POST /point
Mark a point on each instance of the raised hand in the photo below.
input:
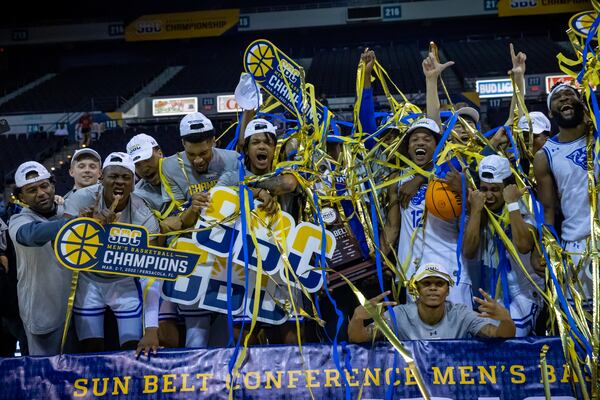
(368, 58)
(512, 193)
(476, 200)
(490, 308)
(518, 63)
(432, 68)
(361, 313)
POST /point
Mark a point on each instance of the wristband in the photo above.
(513, 207)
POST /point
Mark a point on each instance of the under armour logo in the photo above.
(433, 333)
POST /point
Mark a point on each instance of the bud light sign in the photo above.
(491, 88)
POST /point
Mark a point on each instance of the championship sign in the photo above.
(217, 241)
(83, 244)
(280, 76)
(509, 8)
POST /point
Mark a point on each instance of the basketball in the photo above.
(442, 202)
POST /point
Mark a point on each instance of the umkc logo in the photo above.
(85, 245)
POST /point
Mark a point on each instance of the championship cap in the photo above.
(468, 112)
(86, 150)
(426, 123)
(140, 147)
(194, 123)
(557, 89)
(494, 169)
(121, 159)
(259, 125)
(539, 123)
(27, 167)
(432, 269)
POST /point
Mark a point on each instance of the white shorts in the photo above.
(524, 312)
(576, 250)
(123, 296)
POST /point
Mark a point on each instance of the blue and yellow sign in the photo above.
(85, 245)
(280, 76)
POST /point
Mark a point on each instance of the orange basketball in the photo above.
(442, 202)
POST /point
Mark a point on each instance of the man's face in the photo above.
(433, 291)
(260, 153)
(39, 196)
(464, 132)
(421, 146)
(494, 199)
(117, 181)
(148, 169)
(566, 108)
(85, 171)
(199, 154)
(538, 141)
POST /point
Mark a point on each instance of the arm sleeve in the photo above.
(151, 301)
(37, 234)
(367, 115)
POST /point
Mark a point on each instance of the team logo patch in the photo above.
(85, 245)
(579, 158)
(418, 198)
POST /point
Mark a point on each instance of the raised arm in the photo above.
(391, 229)
(518, 72)
(473, 228)
(367, 106)
(432, 70)
(545, 186)
(521, 237)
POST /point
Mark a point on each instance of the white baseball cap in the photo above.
(539, 123)
(27, 167)
(494, 169)
(247, 94)
(432, 269)
(259, 125)
(121, 159)
(468, 112)
(140, 147)
(86, 150)
(194, 123)
(557, 89)
(426, 123)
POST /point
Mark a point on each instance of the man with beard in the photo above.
(431, 316)
(499, 194)
(108, 202)
(43, 284)
(561, 172)
(85, 169)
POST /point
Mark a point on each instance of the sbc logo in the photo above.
(125, 236)
(78, 244)
(148, 27)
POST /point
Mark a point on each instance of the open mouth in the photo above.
(261, 157)
(420, 152)
(567, 110)
(118, 192)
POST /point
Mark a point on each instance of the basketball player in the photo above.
(43, 284)
(561, 170)
(85, 169)
(499, 194)
(188, 176)
(113, 200)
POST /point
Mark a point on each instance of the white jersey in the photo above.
(411, 230)
(568, 163)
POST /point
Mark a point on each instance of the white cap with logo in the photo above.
(426, 123)
(539, 123)
(259, 125)
(27, 167)
(86, 150)
(247, 94)
(494, 169)
(194, 123)
(120, 159)
(140, 147)
(432, 269)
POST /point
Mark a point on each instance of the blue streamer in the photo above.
(587, 48)
(340, 319)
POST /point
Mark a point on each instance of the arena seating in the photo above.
(98, 88)
(12, 80)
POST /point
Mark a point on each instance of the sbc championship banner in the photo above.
(182, 25)
(509, 8)
(453, 369)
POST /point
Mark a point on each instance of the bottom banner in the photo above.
(453, 369)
